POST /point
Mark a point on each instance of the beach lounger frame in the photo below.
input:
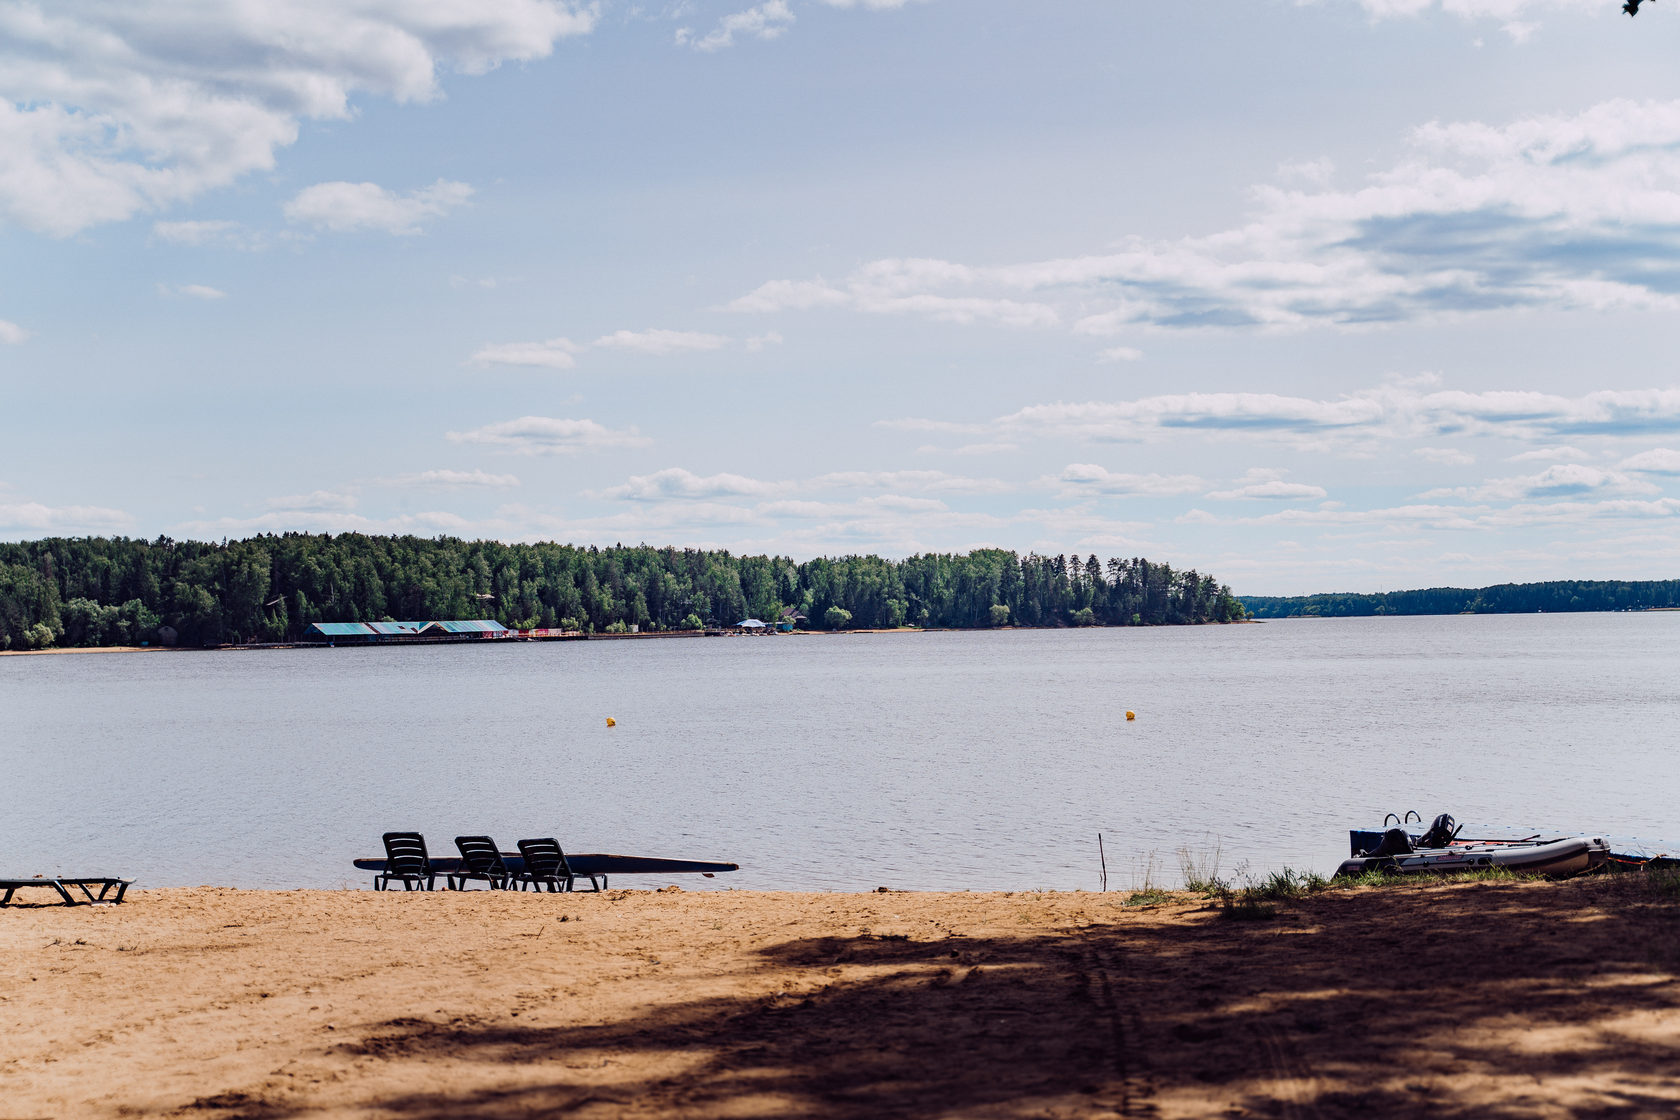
(480, 860)
(545, 865)
(62, 885)
(406, 862)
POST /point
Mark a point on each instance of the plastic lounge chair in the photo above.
(545, 865)
(63, 885)
(480, 859)
(406, 863)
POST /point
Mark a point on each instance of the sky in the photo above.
(1312, 295)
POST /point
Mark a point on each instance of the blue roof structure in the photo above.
(377, 631)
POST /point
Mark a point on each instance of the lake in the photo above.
(949, 760)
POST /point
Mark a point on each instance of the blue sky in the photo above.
(1336, 295)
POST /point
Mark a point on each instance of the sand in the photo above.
(1469, 1000)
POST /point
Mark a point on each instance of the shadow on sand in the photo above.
(1488, 1000)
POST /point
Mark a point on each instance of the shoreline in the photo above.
(1477, 998)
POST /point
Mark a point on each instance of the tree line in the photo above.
(1555, 596)
(91, 591)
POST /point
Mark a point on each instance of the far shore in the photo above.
(1420, 1000)
(83, 649)
(659, 634)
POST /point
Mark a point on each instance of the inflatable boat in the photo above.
(1440, 850)
(1556, 858)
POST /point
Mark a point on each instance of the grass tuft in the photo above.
(1200, 869)
(1149, 896)
(1256, 899)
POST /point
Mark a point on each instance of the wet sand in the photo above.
(1470, 1000)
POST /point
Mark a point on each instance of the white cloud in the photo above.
(109, 109)
(1658, 460)
(928, 481)
(1568, 212)
(766, 21)
(452, 479)
(345, 207)
(547, 435)
(194, 232)
(661, 342)
(430, 523)
(1504, 11)
(36, 518)
(1359, 420)
(314, 501)
(11, 334)
(1562, 480)
(677, 484)
(918, 424)
(1552, 455)
(1446, 456)
(897, 287)
(556, 353)
(1087, 479)
(192, 291)
(1119, 354)
(561, 353)
(1257, 485)
(758, 342)
(211, 232)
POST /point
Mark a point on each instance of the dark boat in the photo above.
(586, 863)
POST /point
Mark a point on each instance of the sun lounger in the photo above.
(480, 859)
(62, 886)
(546, 866)
(406, 862)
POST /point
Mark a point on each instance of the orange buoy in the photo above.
(611, 722)
(1130, 716)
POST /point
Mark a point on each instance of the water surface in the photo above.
(925, 761)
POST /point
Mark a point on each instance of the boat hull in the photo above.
(586, 863)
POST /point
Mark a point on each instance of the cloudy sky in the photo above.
(1311, 294)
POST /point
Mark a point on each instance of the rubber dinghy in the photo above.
(1439, 851)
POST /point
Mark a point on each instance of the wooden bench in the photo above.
(63, 885)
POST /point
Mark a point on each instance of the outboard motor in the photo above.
(1441, 833)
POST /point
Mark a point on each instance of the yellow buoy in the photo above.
(1130, 716)
(611, 722)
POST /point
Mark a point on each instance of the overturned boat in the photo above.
(1440, 850)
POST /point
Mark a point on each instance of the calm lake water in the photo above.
(923, 761)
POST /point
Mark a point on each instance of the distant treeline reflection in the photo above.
(95, 591)
(1556, 596)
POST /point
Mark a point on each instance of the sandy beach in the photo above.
(1477, 999)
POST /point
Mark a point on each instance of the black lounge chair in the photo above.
(480, 859)
(545, 865)
(406, 862)
(62, 886)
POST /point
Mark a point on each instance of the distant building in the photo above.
(380, 633)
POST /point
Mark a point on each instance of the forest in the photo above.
(1556, 596)
(94, 591)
